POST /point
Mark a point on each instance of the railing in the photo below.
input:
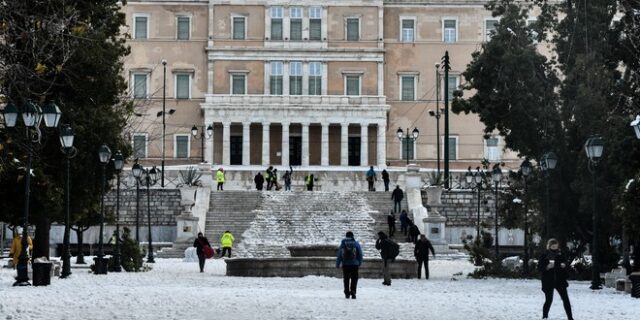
(225, 99)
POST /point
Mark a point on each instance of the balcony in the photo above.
(295, 101)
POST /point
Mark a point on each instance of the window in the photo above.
(184, 24)
(275, 81)
(141, 27)
(408, 87)
(183, 86)
(453, 148)
(181, 146)
(453, 86)
(408, 149)
(140, 146)
(352, 86)
(449, 30)
(492, 152)
(295, 23)
(489, 27)
(315, 23)
(140, 85)
(353, 29)
(276, 23)
(315, 78)
(239, 28)
(295, 78)
(238, 84)
(408, 30)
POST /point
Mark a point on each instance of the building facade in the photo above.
(303, 83)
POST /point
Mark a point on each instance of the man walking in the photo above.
(200, 243)
(391, 221)
(371, 178)
(388, 251)
(227, 243)
(404, 222)
(350, 257)
(421, 252)
(220, 179)
(397, 195)
(259, 181)
(385, 179)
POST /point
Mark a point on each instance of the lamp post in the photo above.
(118, 163)
(408, 138)
(593, 147)
(437, 115)
(32, 116)
(548, 162)
(446, 64)
(208, 133)
(150, 177)
(104, 154)
(496, 176)
(66, 140)
(526, 168)
(136, 170)
(164, 123)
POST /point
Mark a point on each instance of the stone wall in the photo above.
(165, 206)
(460, 207)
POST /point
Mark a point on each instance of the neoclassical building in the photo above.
(303, 83)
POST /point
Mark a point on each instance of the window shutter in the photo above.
(139, 143)
(315, 29)
(238, 84)
(408, 88)
(182, 146)
(182, 86)
(296, 29)
(407, 152)
(276, 29)
(453, 155)
(183, 28)
(315, 86)
(353, 85)
(276, 85)
(141, 28)
(352, 29)
(140, 86)
(238, 28)
(453, 83)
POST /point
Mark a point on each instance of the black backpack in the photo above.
(349, 252)
(395, 249)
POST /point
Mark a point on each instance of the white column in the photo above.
(344, 144)
(246, 143)
(226, 143)
(305, 144)
(381, 79)
(364, 141)
(265, 144)
(382, 144)
(285, 144)
(210, 77)
(324, 153)
(208, 145)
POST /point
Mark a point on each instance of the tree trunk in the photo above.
(80, 256)
(41, 239)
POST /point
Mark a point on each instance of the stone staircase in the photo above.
(231, 210)
(382, 203)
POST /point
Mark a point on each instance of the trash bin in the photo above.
(635, 284)
(100, 265)
(41, 273)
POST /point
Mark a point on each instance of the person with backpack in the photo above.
(391, 221)
(389, 250)
(414, 232)
(397, 195)
(404, 218)
(227, 243)
(259, 181)
(553, 268)
(287, 179)
(201, 243)
(421, 252)
(371, 178)
(385, 179)
(350, 256)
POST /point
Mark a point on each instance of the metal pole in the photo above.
(478, 224)
(101, 241)
(23, 276)
(66, 255)
(446, 119)
(116, 256)
(202, 144)
(525, 267)
(438, 117)
(547, 224)
(496, 222)
(164, 124)
(595, 255)
(150, 257)
(138, 211)
(407, 139)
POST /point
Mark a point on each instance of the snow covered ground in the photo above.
(176, 290)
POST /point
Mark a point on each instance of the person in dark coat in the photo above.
(259, 180)
(287, 179)
(421, 252)
(385, 246)
(553, 268)
(391, 221)
(397, 195)
(308, 181)
(350, 264)
(269, 177)
(199, 243)
(404, 218)
(414, 231)
(385, 179)
(371, 178)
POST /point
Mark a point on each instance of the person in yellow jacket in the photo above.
(16, 247)
(220, 178)
(227, 242)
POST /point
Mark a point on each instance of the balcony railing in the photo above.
(352, 101)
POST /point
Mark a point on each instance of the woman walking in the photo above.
(200, 243)
(552, 265)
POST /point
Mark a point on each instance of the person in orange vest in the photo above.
(16, 246)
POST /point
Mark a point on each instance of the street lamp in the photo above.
(104, 154)
(66, 140)
(164, 112)
(31, 117)
(496, 176)
(408, 138)
(636, 126)
(548, 162)
(593, 147)
(118, 164)
(437, 114)
(136, 170)
(208, 133)
(526, 168)
(150, 177)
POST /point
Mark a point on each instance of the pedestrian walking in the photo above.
(389, 250)
(227, 243)
(200, 243)
(391, 221)
(269, 177)
(553, 268)
(16, 247)
(274, 180)
(404, 218)
(287, 179)
(350, 257)
(371, 178)
(397, 195)
(414, 231)
(259, 181)
(308, 181)
(385, 179)
(421, 252)
(220, 179)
